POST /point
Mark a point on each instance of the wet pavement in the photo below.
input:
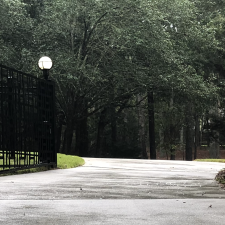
(116, 191)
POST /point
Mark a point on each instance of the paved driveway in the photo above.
(116, 191)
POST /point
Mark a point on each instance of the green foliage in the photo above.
(15, 34)
(63, 162)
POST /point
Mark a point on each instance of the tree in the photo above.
(103, 63)
(15, 33)
(108, 54)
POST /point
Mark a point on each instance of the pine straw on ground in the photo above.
(220, 177)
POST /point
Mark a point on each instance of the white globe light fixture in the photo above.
(45, 64)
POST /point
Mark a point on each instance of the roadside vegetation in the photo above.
(69, 161)
(220, 177)
(211, 160)
(63, 162)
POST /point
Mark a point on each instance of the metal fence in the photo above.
(27, 121)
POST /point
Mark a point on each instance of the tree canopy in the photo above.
(108, 56)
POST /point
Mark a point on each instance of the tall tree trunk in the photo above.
(189, 133)
(68, 136)
(201, 131)
(189, 141)
(197, 134)
(82, 140)
(151, 118)
(172, 153)
(182, 141)
(172, 132)
(60, 122)
(172, 148)
(161, 143)
(100, 135)
(113, 133)
(141, 129)
(214, 146)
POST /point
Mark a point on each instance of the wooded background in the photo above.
(130, 75)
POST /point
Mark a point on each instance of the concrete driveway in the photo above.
(116, 191)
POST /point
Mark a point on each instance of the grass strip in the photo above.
(69, 161)
(63, 162)
(211, 160)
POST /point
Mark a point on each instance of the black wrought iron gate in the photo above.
(27, 120)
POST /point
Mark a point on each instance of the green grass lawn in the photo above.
(68, 161)
(63, 162)
(211, 160)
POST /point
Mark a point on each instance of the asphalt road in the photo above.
(116, 191)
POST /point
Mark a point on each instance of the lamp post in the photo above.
(46, 93)
(45, 64)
